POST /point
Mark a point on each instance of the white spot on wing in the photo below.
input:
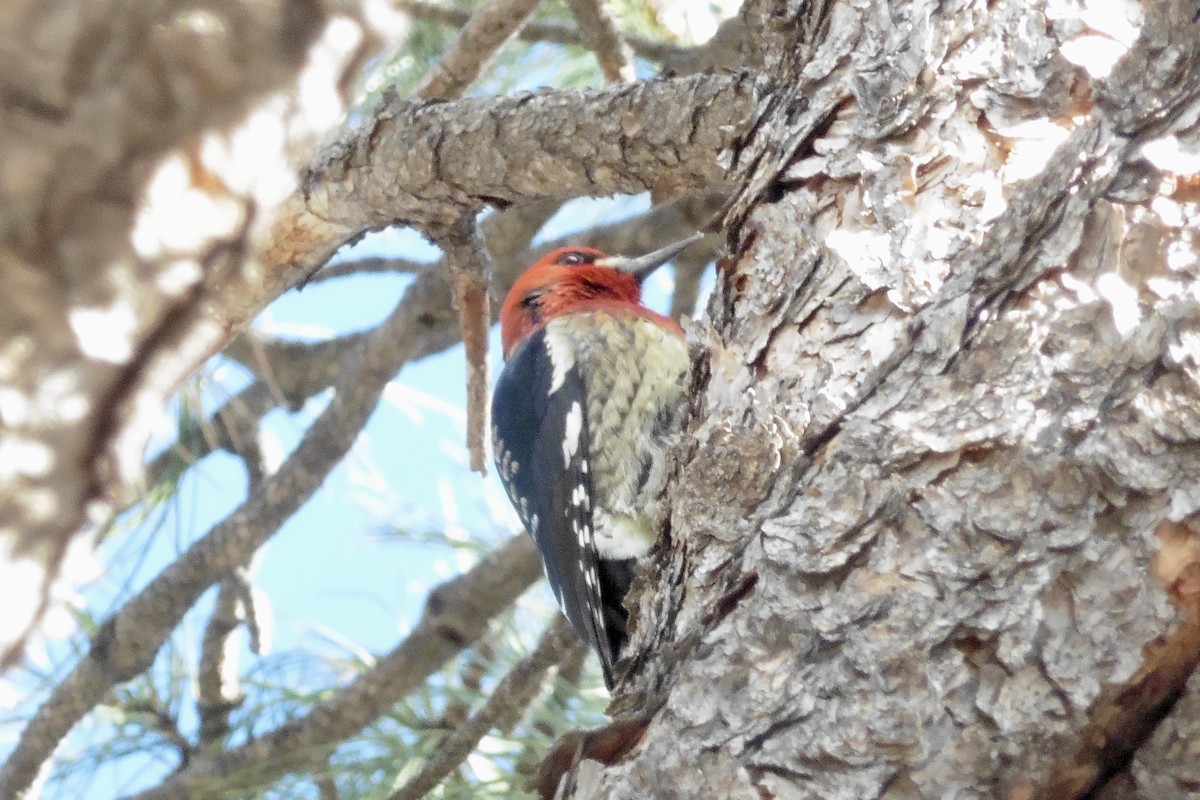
(558, 595)
(562, 358)
(571, 431)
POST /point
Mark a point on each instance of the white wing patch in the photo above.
(562, 357)
(572, 427)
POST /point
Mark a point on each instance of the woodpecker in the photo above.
(591, 391)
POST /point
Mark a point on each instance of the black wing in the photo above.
(549, 483)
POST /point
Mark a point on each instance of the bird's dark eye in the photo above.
(532, 302)
(573, 257)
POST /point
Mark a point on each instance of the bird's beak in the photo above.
(642, 266)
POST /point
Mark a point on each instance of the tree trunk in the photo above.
(930, 530)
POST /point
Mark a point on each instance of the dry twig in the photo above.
(478, 42)
(456, 614)
(649, 49)
(508, 700)
(599, 32)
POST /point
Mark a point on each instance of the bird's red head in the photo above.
(559, 282)
(578, 279)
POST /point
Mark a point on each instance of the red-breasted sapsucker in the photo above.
(592, 389)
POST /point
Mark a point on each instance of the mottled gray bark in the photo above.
(943, 404)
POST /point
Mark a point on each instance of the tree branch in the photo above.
(421, 163)
(161, 722)
(649, 49)
(481, 38)
(600, 34)
(470, 273)
(375, 265)
(456, 614)
(218, 690)
(508, 701)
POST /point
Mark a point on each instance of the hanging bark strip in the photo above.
(470, 270)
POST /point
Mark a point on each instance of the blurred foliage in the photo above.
(149, 726)
(519, 66)
(145, 721)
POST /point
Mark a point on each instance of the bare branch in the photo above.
(424, 163)
(480, 39)
(125, 646)
(367, 266)
(508, 701)
(456, 614)
(218, 690)
(649, 49)
(165, 725)
(326, 786)
(599, 32)
(297, 370)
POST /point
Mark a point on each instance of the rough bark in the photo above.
(943, 401)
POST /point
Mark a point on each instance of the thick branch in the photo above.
(420, 163)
